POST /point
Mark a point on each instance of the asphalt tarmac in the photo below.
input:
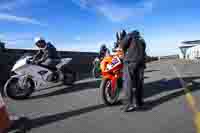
(79, 109)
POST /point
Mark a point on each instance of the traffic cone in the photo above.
(4, 116)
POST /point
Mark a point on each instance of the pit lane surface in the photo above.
(79, 109)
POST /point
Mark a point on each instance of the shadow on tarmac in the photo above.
(151, 89)
(61, 116)
(161, 86)
(76, 87)
(149, 71)
(39, 122)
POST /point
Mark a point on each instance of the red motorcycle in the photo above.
(111, 84)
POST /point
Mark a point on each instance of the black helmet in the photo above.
(103, 47)
(136, 33)
(122, 34)
(40, 42)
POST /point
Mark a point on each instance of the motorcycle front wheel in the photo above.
(106, 93)
(13, 90)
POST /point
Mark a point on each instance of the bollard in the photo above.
(4, 116)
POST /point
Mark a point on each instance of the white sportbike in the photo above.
(28, 76)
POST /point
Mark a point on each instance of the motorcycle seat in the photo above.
(49, 68)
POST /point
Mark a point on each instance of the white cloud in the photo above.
(9, 17)
(76, 47)
(77, 38)
(114, 11)
(6, 5)
(2, 36)
(84, 46)
(11, 4)
(18, 40)
(25, 40)
(89, 3)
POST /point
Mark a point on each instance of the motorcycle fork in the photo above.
(23, 81)
(113, 84)
(116, 84)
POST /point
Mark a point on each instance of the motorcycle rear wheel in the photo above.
(69, 77)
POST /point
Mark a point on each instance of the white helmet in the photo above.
(37, 39)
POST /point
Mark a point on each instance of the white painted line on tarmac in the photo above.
(190, 100)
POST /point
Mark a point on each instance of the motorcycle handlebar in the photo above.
(30, 61)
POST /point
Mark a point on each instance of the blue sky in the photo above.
(83, 25)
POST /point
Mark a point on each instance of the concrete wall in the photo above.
(81, 61)
(168, 57)
(193, 53)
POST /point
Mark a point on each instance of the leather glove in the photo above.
(36, 62)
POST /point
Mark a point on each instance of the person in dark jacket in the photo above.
(104, 51)
(143, 43)
(133, 72)
(47, 56)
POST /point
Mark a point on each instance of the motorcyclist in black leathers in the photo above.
(47, 56)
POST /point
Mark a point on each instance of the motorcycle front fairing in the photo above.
(110, 67)
(20, 63)
(23, 69)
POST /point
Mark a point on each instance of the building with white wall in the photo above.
(190, 50)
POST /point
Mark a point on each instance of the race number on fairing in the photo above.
(115, 61)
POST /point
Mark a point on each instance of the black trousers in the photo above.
(133, 77)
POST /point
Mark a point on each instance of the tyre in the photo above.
(69, 77)
(106, 93)
(13, 90)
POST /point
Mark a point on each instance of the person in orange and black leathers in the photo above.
(133, 71)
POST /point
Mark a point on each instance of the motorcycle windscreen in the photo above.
(19, 64)
(104, 62)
